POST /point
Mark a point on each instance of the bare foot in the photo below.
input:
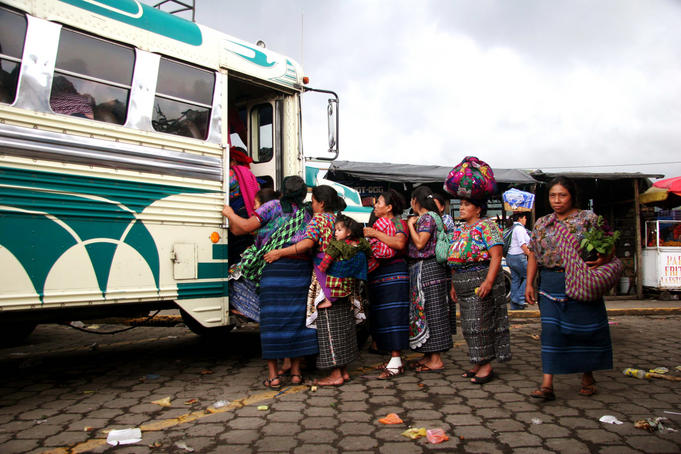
(330, 381)
(346, 376)
(324, 304)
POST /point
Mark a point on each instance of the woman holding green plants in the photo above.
(575, 334)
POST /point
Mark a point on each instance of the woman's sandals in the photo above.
(268, 383)
(390, 372)
(588, 389)
(544, 393)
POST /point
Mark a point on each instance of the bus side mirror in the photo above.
(332, 117)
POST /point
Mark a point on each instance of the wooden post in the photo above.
(639, 253)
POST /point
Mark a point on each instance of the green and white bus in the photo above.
(115, 125)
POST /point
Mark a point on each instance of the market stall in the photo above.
(662, 255)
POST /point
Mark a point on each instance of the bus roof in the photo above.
(153, 30)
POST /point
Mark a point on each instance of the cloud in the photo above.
(522, 84)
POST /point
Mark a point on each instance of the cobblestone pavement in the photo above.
(63, 390)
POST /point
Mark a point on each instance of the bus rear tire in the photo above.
(15, 333)
(198, 328)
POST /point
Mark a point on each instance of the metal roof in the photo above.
(408, 173)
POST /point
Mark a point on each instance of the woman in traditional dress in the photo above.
(575, 335)
(429, 323)
(389, 283)
(242, 189)
(336, 333)
(282, 307)
(478, 286)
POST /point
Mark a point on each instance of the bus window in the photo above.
(261, 132)
(12, 34)
(92, 78)
(184, 95)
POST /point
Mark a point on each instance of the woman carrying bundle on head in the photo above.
(477, 283)
(336, 333)
(429, 323)
(389, 282)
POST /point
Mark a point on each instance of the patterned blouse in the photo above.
(235, 199)
(425, 223)
(542, 243)
(471, 243)
(379, 248)
(321, 229)
(271, 216)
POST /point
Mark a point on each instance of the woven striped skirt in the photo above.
(484, 322)
(336, 335)
(434, 279)
(283, 298)
(389, 305)
(575, 336)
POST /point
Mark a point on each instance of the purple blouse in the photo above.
(425, 223)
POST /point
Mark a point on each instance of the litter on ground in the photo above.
(392, 418)
(415, 432)
(609, 419)
(124, 436)
(165, 402)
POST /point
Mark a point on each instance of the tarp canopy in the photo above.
(408, 173)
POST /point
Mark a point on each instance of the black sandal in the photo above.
(469, 374)
(268, 382)
(543, 393)
(300, 379)
(390, 372)
(482, 380)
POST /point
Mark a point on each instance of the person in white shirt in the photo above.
(517, 260)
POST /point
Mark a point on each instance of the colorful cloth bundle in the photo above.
(471, 179)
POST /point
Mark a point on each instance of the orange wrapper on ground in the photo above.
(392, 418)
(436, 436)
(415, 433)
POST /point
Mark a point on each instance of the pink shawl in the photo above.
(248, 186)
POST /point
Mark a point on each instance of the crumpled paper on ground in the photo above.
(415, 432)
(124, 436)
(391, 418)
(652, 424)
(610, 419)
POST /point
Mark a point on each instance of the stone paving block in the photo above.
(481, 447)
(66, 438)
(532, 450)
(315, 449)
(293, 416)
(355, 428)
(471, 432)
(246, 423)
(326, 436)
(618, 449)
(450, 409)
(357, 443)
(418, 404)
(549, 430)
(13, 446)
(16, 426)
(130, 419)
(652, 443)
(86, 421)
(506, 425)
(442, 390)
(390, 433)
(518, 439)
(463, 420)
(205, 430)
(567, 446)
(484, 403)
(320, 423)
(598, 436)
(400, 448)
(491, 413)
(424, 414)
(354, 416)
(240, 437)
(282, 428)
(353, 406)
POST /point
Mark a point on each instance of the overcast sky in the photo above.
(520, 84)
